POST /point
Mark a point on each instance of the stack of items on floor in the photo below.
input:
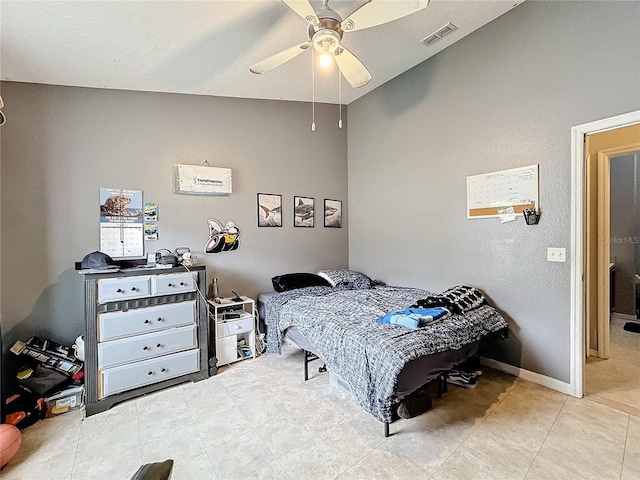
(47, 381)
(466, 375)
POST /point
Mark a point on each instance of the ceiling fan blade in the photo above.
(279, 58)
(378, 12)
(353, 69)
(304, 9)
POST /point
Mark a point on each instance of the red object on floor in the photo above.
(15, 418)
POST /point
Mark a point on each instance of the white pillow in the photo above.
(347, 278)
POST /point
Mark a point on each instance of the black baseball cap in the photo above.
(97, 261)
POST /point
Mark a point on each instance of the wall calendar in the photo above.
(489, 193)
(121, 223)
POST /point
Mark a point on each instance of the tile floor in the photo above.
(259, 420)
(615, 382)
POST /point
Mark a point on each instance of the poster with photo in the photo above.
(269, 210)
(150, 231)
(121, 223)
(150, 212)
(150, 221)
(332, 213)
(303, 214)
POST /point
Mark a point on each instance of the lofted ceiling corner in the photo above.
(207, 47)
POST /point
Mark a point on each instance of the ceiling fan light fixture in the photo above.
(326, 28)
(326, 60)
(325, 40)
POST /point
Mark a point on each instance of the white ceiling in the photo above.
(207, 47)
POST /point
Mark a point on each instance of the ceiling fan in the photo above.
(326, 28)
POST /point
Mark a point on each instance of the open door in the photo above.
(598, 149)
(603, 243)
(604, 252)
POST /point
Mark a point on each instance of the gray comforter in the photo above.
(341, 325)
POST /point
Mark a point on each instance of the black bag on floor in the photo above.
(43, 381)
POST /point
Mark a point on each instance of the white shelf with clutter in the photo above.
(233, 321)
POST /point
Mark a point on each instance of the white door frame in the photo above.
(578, 345)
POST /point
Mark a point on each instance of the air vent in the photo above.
(434, 37)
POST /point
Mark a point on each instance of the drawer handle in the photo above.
(147, 321)
(182, 283)
(159, 345)
(150, 373)
(133, 289)
(163, 370)
(170, 285)
(159, 319)
(145, 348)
(238, 327)
(119, 290)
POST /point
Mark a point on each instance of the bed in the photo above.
(381, 363)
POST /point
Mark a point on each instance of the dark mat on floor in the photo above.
(632, 327)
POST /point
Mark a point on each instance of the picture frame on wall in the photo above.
(269, 210)
(303, 212)
(332, 213)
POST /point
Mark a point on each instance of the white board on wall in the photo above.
(200, 180)
(489, 192)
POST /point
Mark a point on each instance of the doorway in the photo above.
(581, 256)
(612, 369)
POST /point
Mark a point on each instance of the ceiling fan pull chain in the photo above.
(340, 90)
(313, 88)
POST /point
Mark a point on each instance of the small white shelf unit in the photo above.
(234, 325)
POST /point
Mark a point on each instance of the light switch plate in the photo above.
(556, 254)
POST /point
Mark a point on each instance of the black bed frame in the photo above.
(441, 379)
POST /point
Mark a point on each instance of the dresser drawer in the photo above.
(114, 325)
(172, 283)
(235, 327)
(142, 347)
(134, 375)
(115, 289)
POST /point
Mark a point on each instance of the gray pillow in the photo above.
(347, 278)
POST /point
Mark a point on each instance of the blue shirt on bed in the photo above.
(414, 317)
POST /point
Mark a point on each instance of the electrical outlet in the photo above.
(556, 254)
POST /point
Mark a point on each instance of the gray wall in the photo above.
(623, 232)
(61, 144)
(503, 97)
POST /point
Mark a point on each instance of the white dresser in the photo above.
(145, 330)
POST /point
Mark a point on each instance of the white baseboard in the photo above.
(528, 375)
(624, 316)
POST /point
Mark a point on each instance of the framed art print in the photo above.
(303, 214)
(269, 210)
(332, 213)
